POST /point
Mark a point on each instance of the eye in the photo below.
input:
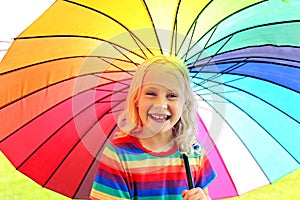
(150, 93)
(172, 95)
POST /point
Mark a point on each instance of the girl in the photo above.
(144, 160)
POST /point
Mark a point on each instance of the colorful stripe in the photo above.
(127, 171)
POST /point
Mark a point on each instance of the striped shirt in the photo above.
(129, 171)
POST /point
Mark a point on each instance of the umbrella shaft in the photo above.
(188, 171)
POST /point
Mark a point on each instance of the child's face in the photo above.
(161, 101)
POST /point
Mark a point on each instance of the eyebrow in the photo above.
(154, 88)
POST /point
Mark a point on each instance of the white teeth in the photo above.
(159, 117)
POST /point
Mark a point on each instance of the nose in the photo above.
(162, 102)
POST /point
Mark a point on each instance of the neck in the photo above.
(160, 142)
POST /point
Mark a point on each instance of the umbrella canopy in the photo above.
(64, 81)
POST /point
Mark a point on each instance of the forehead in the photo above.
(163, 77)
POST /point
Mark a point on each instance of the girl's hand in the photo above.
(195, 194)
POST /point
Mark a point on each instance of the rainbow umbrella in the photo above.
(64, 81)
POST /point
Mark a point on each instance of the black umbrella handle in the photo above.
(188, 171)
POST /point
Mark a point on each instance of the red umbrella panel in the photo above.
(71, 133)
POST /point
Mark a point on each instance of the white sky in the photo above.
(15, 16)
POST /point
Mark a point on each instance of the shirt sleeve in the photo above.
(206, 172)
(111, 181)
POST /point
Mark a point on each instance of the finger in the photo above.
(195, 193)
(183, 193)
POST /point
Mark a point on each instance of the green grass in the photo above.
(16, 186)
(286, 188)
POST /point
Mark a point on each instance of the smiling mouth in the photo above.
(159, 117)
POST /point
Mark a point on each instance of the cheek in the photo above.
(143, 111)
(177, 110)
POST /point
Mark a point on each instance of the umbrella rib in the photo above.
(256, 123)
(214, 27)
(67, 57)
(249, 93)
(134, 37)
(237, 58)
(54, 134)
(209, 93)
(106, 90)
(31, 65)
(80, 139)
(193, 66)
(284, 86)
(218, 152)
(95, 157)
(111, 63)
(153, 25)
(194, 24)
(244, 8)
(174, 30)
(237, 79)
(257, 61)
(49, 136)
(248, 150)
(117, 110)
(219, 74)
(229, 69)
(253, 118)
(249, 59)
(270, 81)
(112, 81)
(40, 89)
(14, 132)
(110, 101)
(193, 28)
(125, 55)
(200, 53)
(246, 29)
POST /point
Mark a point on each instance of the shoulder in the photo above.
(121, 138)
(124, 143)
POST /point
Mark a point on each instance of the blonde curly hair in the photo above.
(185, 130)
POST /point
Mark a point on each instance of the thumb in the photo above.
(183, 193)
